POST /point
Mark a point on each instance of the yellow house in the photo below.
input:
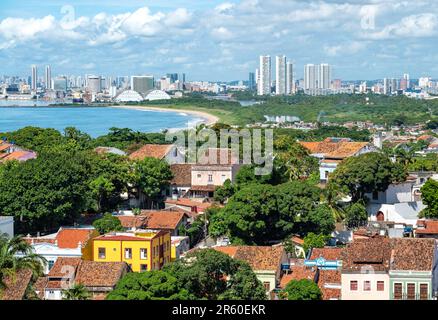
(142, 250)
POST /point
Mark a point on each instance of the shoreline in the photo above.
(207, 118)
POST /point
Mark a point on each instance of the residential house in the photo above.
(7, 226)
(266, 262)
(411, 269)
(365, 266)
(99, 278)
(169, 220)
(332, 151)
(181, 181)
(192, 206)
(180, 245)
(427, 229)
(171, 153)
(16, 287)
(68, 242)
(9, 151)
(396, 204)
(142, 250)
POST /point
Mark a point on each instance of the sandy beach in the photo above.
(207, 119)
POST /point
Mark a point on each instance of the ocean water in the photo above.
(94, 121)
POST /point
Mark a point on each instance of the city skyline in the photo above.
(361, 40)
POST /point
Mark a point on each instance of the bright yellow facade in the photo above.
(142, 250)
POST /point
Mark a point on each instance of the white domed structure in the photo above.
(157, 95)
(129, 96)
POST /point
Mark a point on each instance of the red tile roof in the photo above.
(412, 254)
(367, 253)
(165, 219)
(329, 278)
(16, 287)
(157, 151)
(334, 150)
(100, 274)
(430, 227)
(326, 253)
(70, 238)
(63, 266)
(182, 174)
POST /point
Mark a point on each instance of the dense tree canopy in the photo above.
(429, 194)
(356, 215)
(303, 289)
(107, 224)
(367, 173)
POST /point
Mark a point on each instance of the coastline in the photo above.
(207, 118)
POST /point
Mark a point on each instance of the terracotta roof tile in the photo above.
(328, 279)
(412, 254)
(157, 151)
(430, 227)
(373, 252)
(326, 253)
(164, 219)
(298, 273)
(334, 150)
(59, 269)
(259, 258)
(100, 274)
(70, 238)
(182, 174)
(16, 288)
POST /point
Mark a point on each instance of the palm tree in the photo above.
(332, 196)
(16, 254)
(77, 292)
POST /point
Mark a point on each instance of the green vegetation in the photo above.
(312, 240)
(356, 215)
(77, 292)
(107, 223)
(429, 194)
(201, 275)
(302, 290)
(15, 255)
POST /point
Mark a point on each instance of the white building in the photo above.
(157, 95)
(289, 78)
(129, 96)
(94, 84)
(48, 78)
(7, 226)
(280, 75)
(34, 83)
(264, 85)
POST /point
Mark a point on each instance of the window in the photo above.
(398, 291)
(50, 264)
(143, 267)
(326, 174)
(102, 253)
(380, 286)
(267, 286)
(128, 253)
(210, 178)
(353, 285)
(143, 253)
(411, 291)
(367, 286)
(199, 176)
(424, 291)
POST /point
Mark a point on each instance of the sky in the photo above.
(219, 40)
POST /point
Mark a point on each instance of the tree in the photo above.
(312, 240)
(429, 194)
(77, 292)
(16, 254)
(204, 273)
(356, 215)
(35, 138)
(108, 223)
(367, 173)
(48, 191)
(320, 220)
(246, 175)
(251, 215)
(226, 191)
(101, 188)
(303, 289)
(152, 285)
(293, 159)
(152, 176)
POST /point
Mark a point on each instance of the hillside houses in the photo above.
(9, 151)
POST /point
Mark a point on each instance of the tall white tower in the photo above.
(34, 78)
(264, 86)
(324, 76)
(48, 78)
(310, 77)
(280, 75)
(289, 78)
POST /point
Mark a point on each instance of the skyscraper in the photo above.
(34, 78)
(310, 77)
(264, 86)
(324, 76)
(251, 81)
(280, 75)
(406, 77)
(94, 84)
(48, 78)
(142, 84)
(289, 78)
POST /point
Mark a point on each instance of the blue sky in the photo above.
(219, 39)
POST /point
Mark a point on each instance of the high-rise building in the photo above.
(386, 86)
(94, 84)
(60, 84)
(289, 78)
(257, 76)
(251, 81)
(310, 77)
(264, 86)
(280, 75)
(173, 77)
(406, 77)
(142, 84)
(48, 78)
(34, 83)
(325, 76)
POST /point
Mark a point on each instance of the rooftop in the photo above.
(156, 151)
(332, 148)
